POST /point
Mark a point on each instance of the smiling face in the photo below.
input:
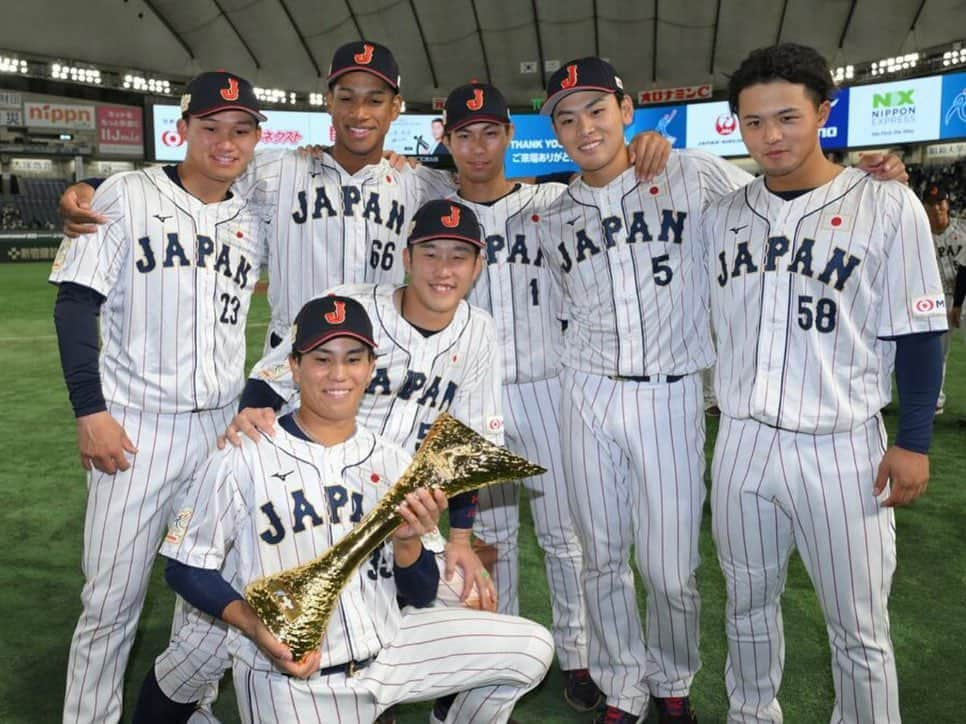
(363, 106)
(938, 213)
(590, 126)
(219, 146)
(478, 149)
(779, 124)
(441, 272)
(332, 379)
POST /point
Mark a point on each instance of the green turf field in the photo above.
(42, 496)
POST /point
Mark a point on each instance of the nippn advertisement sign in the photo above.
(899, 112)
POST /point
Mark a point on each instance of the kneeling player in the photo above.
(373, 655)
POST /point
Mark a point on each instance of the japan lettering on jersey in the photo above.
(803, 293)
(632, 270)
(281, 503)
(330, 227)
(951, 252)
(456, 370)
(516, 287)
(177, 275)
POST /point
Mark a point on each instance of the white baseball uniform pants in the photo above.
(492, 660)
(532, 429)
(633, 457)
(127, 514)
(775, 490)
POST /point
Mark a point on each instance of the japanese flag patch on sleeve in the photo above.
(930, 305)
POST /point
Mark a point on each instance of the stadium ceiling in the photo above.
(439, 44)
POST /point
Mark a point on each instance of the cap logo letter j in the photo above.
(571, 80)
(453, 220)
(365, 57)
(337, 315)
(231, 92)
(476, 102)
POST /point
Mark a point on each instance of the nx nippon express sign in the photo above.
(899, 112)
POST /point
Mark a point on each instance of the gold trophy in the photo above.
(296, 604)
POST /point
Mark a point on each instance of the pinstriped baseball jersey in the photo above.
(416, 377)
(178, 276)
(283, 502)
(803, 291)
(950, 252)
(330, 227)
(516, 286)
(632, 267)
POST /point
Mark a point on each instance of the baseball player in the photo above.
(170, 275)
(516, 288)
(630, 268)
(949, 238)
(820, 281)
(373, 655)
(437, 353)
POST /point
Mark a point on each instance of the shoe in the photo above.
(441, 709)
(675, 710)
(580, 691)
(613, 715)
(940, 410)
(387, 717)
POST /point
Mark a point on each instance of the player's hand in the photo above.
(955, 317)
(398, 161)
(460, 554)
(251, 421)
(648, 152)
(103, 443)
(420, 512)
(311, 151)
(884, 167)
(75, 211)
(240, 615)
(909, 473)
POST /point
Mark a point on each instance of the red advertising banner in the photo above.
(674, 95)
(120, 130)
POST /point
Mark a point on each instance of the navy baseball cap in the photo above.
(325, 318)
(475, 103)
(219, 90)
(583, 74)
(367, 57)
(442, 219)
(934, 194)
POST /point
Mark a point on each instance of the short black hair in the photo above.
(790, 62)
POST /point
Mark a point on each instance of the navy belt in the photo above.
(646, 378)
(349, 668)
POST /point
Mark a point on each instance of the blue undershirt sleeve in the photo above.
(75, 319)
(462, 510)
(258, 393)
(919, 375)
(203, 588)
(418, 583)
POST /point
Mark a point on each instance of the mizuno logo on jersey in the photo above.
(584, 247)
(351, 200)
(228, 260)
(778, 255)
(519, 253)
(415, 387)
(736, 229)
(160, 218)
(282, 476)
(303, 511)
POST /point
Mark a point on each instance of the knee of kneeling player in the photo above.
(533, 657)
